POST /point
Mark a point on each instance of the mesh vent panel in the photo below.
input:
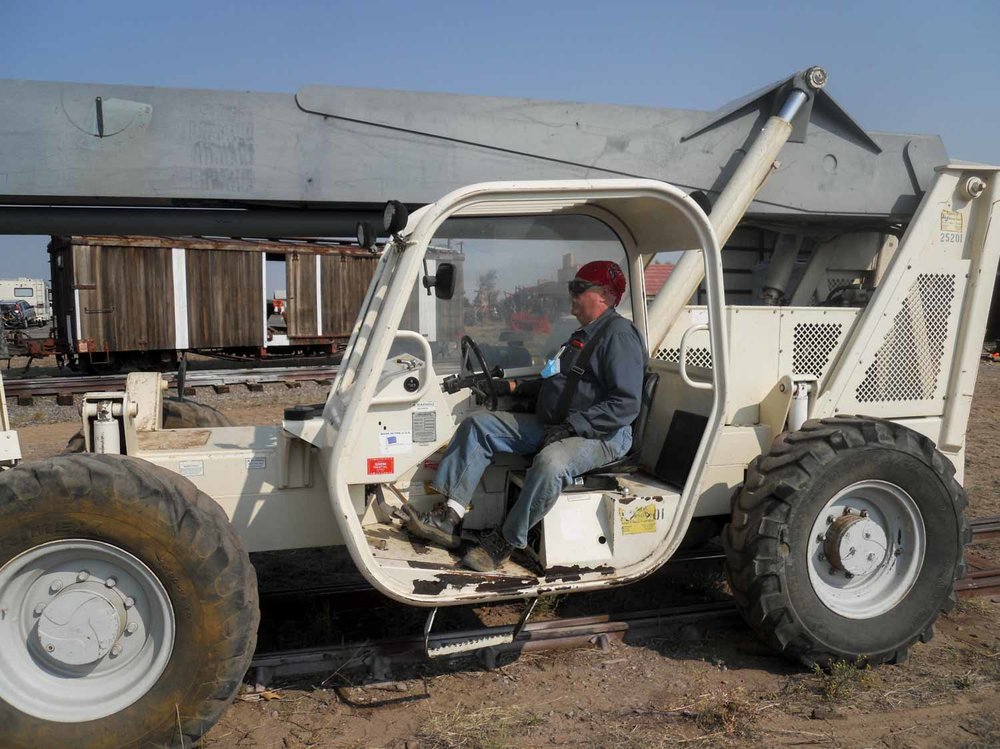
(696, 357)
(812, 345)
(838, 281)
(907, 366)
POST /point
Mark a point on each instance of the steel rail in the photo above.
(194, 378)
(574, 632)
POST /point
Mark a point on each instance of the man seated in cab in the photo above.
(582, 420)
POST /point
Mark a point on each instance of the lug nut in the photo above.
(864, 513)
(116, 650)
(871, 557)
(111, 582)
(848, 575)
(129, 602)
(131, 628)
(829, 519)
(851, 552)
(820, 538)
(868, 535)
(821, 557)
(83, 576)
(56, 586)
(51, 648)
(39, 609)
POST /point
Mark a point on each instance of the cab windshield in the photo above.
(511, 296)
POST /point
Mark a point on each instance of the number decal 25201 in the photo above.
(951, 236)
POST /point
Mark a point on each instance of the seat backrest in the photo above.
(629, 463)
(649, 382)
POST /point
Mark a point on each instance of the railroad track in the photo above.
(217, 378)
(380, 656)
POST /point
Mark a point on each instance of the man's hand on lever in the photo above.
(504, 387)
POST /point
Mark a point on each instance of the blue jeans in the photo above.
(482, 435)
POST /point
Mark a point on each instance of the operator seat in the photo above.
(603, 476)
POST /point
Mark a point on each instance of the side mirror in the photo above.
(444, 286)
(443, 283)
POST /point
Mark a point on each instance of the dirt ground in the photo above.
(706, 687)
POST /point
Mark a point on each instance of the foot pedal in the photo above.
(445, 644)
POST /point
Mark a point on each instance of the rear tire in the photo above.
(846, 540)
(188, 414)
(182, 578)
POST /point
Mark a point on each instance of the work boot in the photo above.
(441, 524)
(493, 550)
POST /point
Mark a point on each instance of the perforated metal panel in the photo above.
(696, 357)
(812, 345)
(908, 364)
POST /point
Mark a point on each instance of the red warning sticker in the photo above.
(381, 466)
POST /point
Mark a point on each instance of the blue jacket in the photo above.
(609, 392)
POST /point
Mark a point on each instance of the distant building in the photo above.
(656, 275)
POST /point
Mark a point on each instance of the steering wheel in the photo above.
(481, 383)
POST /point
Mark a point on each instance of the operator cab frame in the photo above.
(400, 418)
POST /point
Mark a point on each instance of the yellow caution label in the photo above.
(951, 221)
(643, 520)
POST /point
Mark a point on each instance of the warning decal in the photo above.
(642, 520)
(381, 466)
(424, 425)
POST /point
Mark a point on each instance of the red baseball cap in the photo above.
(604, 273)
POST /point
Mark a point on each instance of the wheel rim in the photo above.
(866, 549)
(86, 629)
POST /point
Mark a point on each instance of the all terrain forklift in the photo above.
(821, 429)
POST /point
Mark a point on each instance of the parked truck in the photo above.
(822, 429)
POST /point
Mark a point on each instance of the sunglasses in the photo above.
(577, 287)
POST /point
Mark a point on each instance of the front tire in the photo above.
(152, 600)
(846, 540)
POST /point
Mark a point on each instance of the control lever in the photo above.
(454, 383)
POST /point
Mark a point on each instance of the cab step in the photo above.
(451, 646)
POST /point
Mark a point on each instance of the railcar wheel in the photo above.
(130, 606)
(846, 540)
(177, 414)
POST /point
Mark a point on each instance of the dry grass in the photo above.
(843, 679)
(731, 715)
(973, 606)
(730, 719)
(483, 728)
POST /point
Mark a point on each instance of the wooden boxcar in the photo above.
(119, 299)
(124, 298)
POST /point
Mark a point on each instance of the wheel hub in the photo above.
(866, 548)
(86, 629)
(81, 624)
(855, 544)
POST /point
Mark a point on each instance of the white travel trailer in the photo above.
(34, 291)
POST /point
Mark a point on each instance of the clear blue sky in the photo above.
(913, 66)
